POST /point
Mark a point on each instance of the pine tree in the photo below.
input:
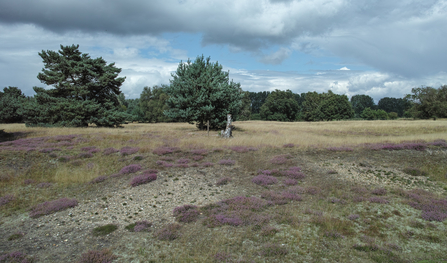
(200, 91)
(85, 91)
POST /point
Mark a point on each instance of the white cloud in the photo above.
(344, 68)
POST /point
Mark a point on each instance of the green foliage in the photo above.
(326, 107)
(280, 106)
(381, 114)
(85, 91)
(104, 230)
(257, 100)
(429, 102)
(11, 105)
(201, 91)
(152, 104)
(393, 115)
(361, 102)
(245, 112)
(368, 114)
(397, 105)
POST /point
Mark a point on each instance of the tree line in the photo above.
(87, 91)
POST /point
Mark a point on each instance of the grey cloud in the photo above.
(276, 57)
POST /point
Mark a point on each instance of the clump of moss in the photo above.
(104, 230)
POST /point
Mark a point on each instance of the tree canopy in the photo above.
(153, 103)
(361, 102)
(280, 106)
(85, 91)
(429, 102)
(11, 105)
(326, 107)
(200, 91)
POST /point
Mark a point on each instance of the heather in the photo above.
(97, 256)
(50, 207)
(16, 257)
(316, 202)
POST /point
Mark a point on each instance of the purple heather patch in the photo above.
(433, 209)
(288, 145)
(186, 213)
(264, 180)
(217, 150)
(142, 226)
(313, 190)
(199, 151)
(44, 185)
(98, 179)
(181, 165)
(50, 207)
(49, 150)
(130, 169)
(129, 150)
(223, 181)
(183, 161)
(169, 232)
(85, 155)
(378, 200)
(109, 151)
(340, 149)
(28, 181)
(281, 159)
(379, 191)
(197, 157)
(242, 149)
(143, 179)
(294, 173)
(98, 256)
(195, 165)
(88, 148)
(226, 162)
(165, 150)
(16, 256)
(6, 199)
(353, 217)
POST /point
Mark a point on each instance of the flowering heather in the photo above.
(242, 149)
(6, 199)
(197, 157)
(296, 190)
(85, 155)
(16, 256)
(223, 181)
(44, 185)
(88, 148)
(281, 159)
(288, 145)
(142, 226)
(280, 198)
(217, 150)
(223, 219)
(150, 171)
(359, 190)
(97, 256)
(169, 232)
(404, 146)
(432, 209)
(340, 149)
(186, 213)
(378, 200)
(181, 165)
(129, 150)
(130, 169)
(313, 190)
(199, 151)
(49, 150)
(439, 142)
(379, 191)
(98, 179)
(50, 207)
(195, 165)
(109, 151)
(264, 180)
(183, 161)
(165, 150)
(294, 173)
(273, 250)
(353, 217)
(28, 181)
(358, 199)
(143, 179)
(226, 162)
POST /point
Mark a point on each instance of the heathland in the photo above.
(342, 191)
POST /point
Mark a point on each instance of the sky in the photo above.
(380, 48)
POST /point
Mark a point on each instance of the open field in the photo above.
(347, 191)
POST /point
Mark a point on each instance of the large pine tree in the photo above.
(85, 91)
(200, 91)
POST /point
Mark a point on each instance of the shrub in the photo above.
(139, 226)
(313, 190)
(379, 191)
(169, 232)
(288, 145)
(16, 256)
(223, 181)
(85, 155)
(186, 213)
(143, 179)
(294, 173)
(109, 151)
(340, 149)
(64, 159)
(104, 230)
(183, 161)
(207, 164)
(98, 179)
(165, 150)
(88, 148)
(280, 198)
(15, 236)
(378, 200)
(44, 185)
(6, 199)
(138, 157)
(199, 151)
(130, 169)
(353, 217)
(264, 180)
(281, 159)
(268, 231)
(97, 256)
(227, 162)
(197, 157)
(50, 207)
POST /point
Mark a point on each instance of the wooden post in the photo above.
(208, 125)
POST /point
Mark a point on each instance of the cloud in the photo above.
(276, 57)
(344, 68)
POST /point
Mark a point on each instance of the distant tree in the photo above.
(397, 105)
(429, 102)
(326, 107)
(361, 102)
(393, 115)
(200, 91)
(133, 109)
(153, 104)
(368, 114)
(381, 114)
(85, 91)
(245, 112)
(11, 105)
(280, 106)
(257, 100)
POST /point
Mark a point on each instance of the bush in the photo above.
(264, 180)
(169, 232)
(50, 207)
(143, 179)
(139, 226)
(130, 169)
(223, 181)
(414, 171)
(97, 256)
(129, 150)
(6, 199)
(227, 162)
(16, 256)
(186, 213)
